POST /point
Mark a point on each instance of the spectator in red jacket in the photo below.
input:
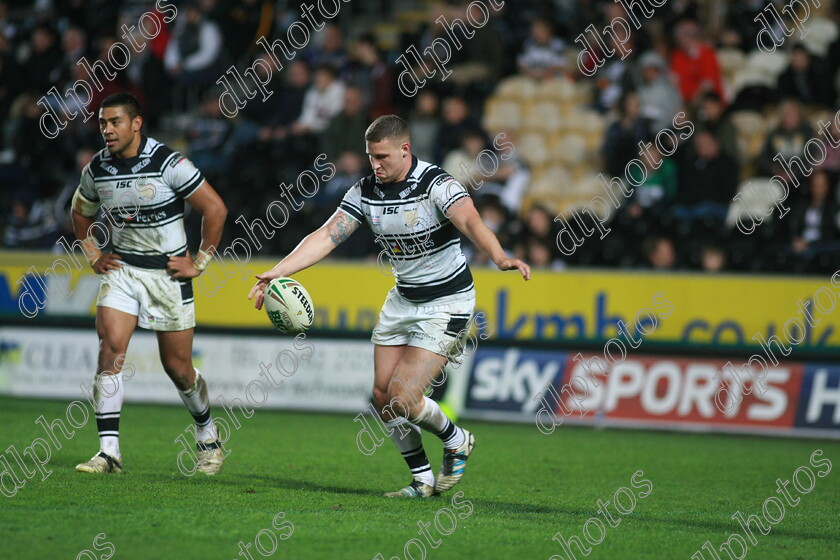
(694, 63)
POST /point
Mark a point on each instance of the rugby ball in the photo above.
(288, 306)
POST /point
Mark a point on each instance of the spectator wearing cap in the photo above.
(659, 99)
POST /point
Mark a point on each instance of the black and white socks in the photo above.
(108, 399)
(198, 403)
(410, 446)
(433, 419)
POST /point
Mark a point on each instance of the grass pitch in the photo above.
(524, 487)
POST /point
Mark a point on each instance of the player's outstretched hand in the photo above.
(257, 293)
(106, 263)
(516, 264)
(182, 268)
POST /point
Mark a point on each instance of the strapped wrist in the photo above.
(91, 249)
(202, 259)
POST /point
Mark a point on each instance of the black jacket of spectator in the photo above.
(708, 180)
(811, 86)
(344, 133)
(621, 143)
(828, 220)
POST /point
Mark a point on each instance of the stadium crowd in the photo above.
(701, 57)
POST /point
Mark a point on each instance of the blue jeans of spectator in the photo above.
(692, 212)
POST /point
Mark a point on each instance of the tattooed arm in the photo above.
(311, 250)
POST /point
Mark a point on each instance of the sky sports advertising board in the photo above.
(550, 389)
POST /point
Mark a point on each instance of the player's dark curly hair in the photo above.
(387, 127)
(123, 99)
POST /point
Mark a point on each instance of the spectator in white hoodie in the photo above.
(660, 99)
(323, 100)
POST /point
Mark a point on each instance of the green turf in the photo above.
(523, 486)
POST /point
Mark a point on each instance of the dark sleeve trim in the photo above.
(452, 199)
(352, 211)
(190, 186)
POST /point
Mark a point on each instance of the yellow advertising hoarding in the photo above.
(577, 305)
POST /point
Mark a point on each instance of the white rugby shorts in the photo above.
(439, 326)
(159, 302)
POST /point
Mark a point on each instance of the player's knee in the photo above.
(110, 348)
(399, 401)
(380, 398)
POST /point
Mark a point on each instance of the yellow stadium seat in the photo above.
(570, 149)
(554, 180)
(502, 115)
(533, 147)
(544, 116)
(517, 87)
(557, 89)
(749, 123)
(585, 121)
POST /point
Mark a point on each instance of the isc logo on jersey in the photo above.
(508, 379)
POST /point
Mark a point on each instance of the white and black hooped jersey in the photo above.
(409, 220)
(145, 196)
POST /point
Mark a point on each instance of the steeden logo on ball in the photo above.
(289, 306)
